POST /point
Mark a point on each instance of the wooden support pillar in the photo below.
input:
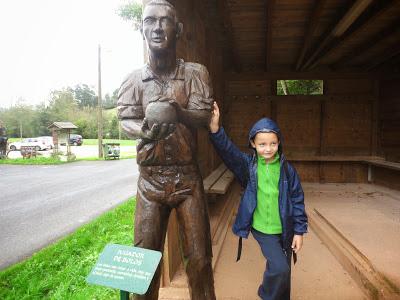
(270, 97)
(370, 175)
(273, 89)
(375, 120)
(273, 106)
(322, 139)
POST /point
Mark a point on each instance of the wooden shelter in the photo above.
(61, 128)
(348, 134)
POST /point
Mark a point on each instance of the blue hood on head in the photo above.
(265, 125)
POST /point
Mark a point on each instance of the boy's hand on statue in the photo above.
(297, 243)
(214, 121)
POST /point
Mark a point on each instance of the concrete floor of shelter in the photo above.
(367, 215)
(316, 275)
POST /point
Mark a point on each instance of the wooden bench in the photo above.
(221, 203)
(370, 160)
(333, 158)
(380, 163)
(374, 163)
(28, 151)
(384, 164)
(218, 181)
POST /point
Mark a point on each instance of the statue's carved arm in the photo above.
(132, 127)
(194, 118)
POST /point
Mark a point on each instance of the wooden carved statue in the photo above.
(162, 104)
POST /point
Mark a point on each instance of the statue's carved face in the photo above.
(159, 27)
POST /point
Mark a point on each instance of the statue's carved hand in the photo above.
(157, 131)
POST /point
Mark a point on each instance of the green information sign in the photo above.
(126, 268)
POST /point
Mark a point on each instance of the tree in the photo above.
(42, 119)
(85, 96)
(19, 119)
(113, 128)
(86, 121)
(63, 105)
(299, 87)
(131, 11)
(110, 101)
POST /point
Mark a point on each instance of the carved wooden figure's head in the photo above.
(160, 26)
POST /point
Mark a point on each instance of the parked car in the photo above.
(48, 140)
(75, 139)
(35, 142)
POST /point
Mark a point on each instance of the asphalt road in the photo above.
(40, 204)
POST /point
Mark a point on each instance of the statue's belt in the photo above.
(168, 170)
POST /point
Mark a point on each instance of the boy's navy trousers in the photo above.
(276, 279)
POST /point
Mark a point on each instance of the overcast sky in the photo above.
(50, 44)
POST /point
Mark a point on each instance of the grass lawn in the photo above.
(59, 271)
(32, 161)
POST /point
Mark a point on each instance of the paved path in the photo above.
(39, 204)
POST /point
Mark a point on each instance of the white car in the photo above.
(37, 143)
(48, 140)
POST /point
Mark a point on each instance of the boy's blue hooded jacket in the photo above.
(244, 166)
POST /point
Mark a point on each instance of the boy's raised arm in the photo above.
(233, 158)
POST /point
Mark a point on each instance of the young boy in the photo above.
(272, 205)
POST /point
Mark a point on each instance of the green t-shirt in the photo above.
(266, 217)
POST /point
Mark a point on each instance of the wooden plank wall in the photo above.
(199, 44)
(338, 123)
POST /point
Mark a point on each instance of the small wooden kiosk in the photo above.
(61, 128)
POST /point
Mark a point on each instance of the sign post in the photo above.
(129, 269)
(124, 295)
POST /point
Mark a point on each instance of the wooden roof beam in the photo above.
(385, 56)
(312, 26)
(392, 29)
(392, 65)
(270, 5)
(377, 12)
(341, 26)
(224, 12)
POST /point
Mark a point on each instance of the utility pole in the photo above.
(20, 129)
(119, 130)
(99, 110)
